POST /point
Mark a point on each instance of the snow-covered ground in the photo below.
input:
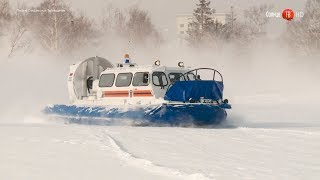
(273, 130)
(249, 148)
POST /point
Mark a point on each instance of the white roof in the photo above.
(143, 69)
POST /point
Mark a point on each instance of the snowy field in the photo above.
(265, 148)
(272, 132)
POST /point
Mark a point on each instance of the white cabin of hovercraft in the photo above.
(97, 81)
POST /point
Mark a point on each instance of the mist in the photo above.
(266, 82)
(270, 68)
(263, 83)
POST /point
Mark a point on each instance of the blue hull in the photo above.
(167, 114)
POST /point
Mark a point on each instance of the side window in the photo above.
(191, 76)
(106, 80)
(141, 79)
(175, 77)
(124, 79)
(159, 79)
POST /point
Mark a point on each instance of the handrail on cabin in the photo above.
(186, 78)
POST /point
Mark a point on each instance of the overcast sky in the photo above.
(163, 12)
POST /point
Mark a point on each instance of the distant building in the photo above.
(183, 21)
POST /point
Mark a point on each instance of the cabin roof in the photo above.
(143, 68)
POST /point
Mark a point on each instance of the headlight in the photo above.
(181, 64)
(157, 63)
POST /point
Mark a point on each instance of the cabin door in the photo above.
(160, 83)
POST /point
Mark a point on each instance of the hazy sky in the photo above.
(163, 12)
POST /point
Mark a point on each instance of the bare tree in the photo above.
(304, 34)
(49, 26)
(79, 33)
(114, 21)
(5, 10)
(139, 28)
(18, 30)
(57, 28)
(256, 21)
(242, 32)
(133, 25)
(5, 15)
(107, 19)
(233, 30)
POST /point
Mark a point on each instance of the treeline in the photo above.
(206, 31)
(302, 34)
(59, 29)
(54, 26)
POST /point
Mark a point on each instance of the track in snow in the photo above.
(145, 164)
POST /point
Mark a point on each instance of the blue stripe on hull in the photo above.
(199, 114)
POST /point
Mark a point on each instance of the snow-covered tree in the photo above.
(202, 24)
(203, 15)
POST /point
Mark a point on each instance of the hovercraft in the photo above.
(154, 94)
